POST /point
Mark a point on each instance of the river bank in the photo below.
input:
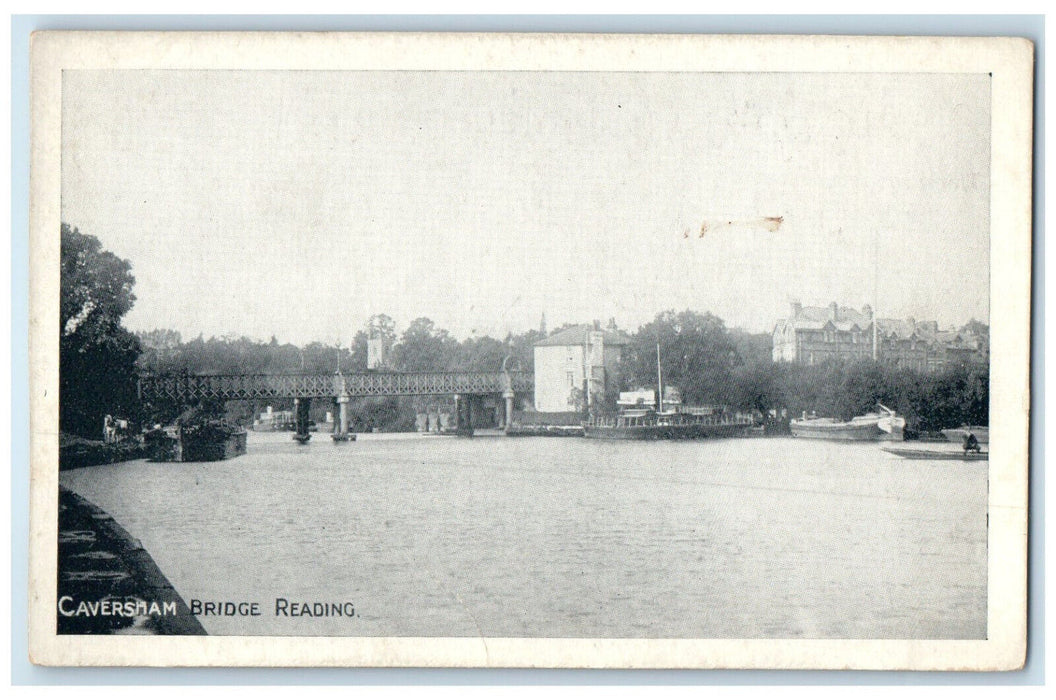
(107, 582)
(77, 452)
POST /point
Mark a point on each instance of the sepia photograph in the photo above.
(532, 351)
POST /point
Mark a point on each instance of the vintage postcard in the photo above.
(530, 350)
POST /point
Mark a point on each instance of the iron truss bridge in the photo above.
(273, 386)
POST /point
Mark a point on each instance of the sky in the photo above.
(299, 203)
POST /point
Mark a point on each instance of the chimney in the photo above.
(833, 311)
(867, 311)
(797, 308)
(597, 325)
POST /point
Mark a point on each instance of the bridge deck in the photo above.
(269, 386)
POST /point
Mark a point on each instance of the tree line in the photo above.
(422, 347)
(100, 361)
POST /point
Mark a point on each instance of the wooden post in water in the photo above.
(301, 408)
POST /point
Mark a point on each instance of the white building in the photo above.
(378, 353)
(577, 367)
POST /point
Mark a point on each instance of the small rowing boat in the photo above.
(959, 455)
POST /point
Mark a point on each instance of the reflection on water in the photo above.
(538, 537)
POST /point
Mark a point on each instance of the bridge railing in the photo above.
(267, 386)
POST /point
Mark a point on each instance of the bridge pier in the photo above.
(341, 425)
(463, 415)
(507, 422)
(300, 410)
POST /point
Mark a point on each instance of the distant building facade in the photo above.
(576, 367)
(815, 334)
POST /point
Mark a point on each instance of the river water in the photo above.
(545, 537)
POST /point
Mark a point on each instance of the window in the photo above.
(571, 379)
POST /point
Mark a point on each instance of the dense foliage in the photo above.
(100, 362)
(97, 355)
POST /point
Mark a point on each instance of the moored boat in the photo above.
(891, 424)
(858, 428)
(202, 441)
(946, 454)
(883, 425)
(667, 420)
(648, 424)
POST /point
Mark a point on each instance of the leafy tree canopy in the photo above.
(696, 354)
(97, 356)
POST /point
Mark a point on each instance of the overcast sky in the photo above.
(298, 203)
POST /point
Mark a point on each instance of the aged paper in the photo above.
(613, 337)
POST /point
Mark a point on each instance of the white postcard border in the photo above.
(1009, 61)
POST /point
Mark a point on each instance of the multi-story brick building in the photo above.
(814, 334)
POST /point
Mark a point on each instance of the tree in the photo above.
(977, 328)
(379, 325)
(97, 356)
(382, 326)
(160, 351)
(484, 354)
(424, 348)
(696, 355)
(758, 386)
(752, 348)
(522, 349)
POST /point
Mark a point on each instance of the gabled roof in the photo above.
(820, 317)
(826, 325)
(908, 328)
(844, 314)
(579, 335)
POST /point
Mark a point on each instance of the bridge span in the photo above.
(340, 387)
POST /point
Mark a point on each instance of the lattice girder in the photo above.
(232, 387)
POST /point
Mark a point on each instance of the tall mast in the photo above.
(876, 296)
(876, 339)
(659, 381)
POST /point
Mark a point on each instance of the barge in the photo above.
(208, 441)
(883, 425)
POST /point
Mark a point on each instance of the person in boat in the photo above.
(971, 443)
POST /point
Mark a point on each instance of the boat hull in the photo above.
(937, 454)
(193, 447)
(835, 431)
(892, 427)
(662, 432)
